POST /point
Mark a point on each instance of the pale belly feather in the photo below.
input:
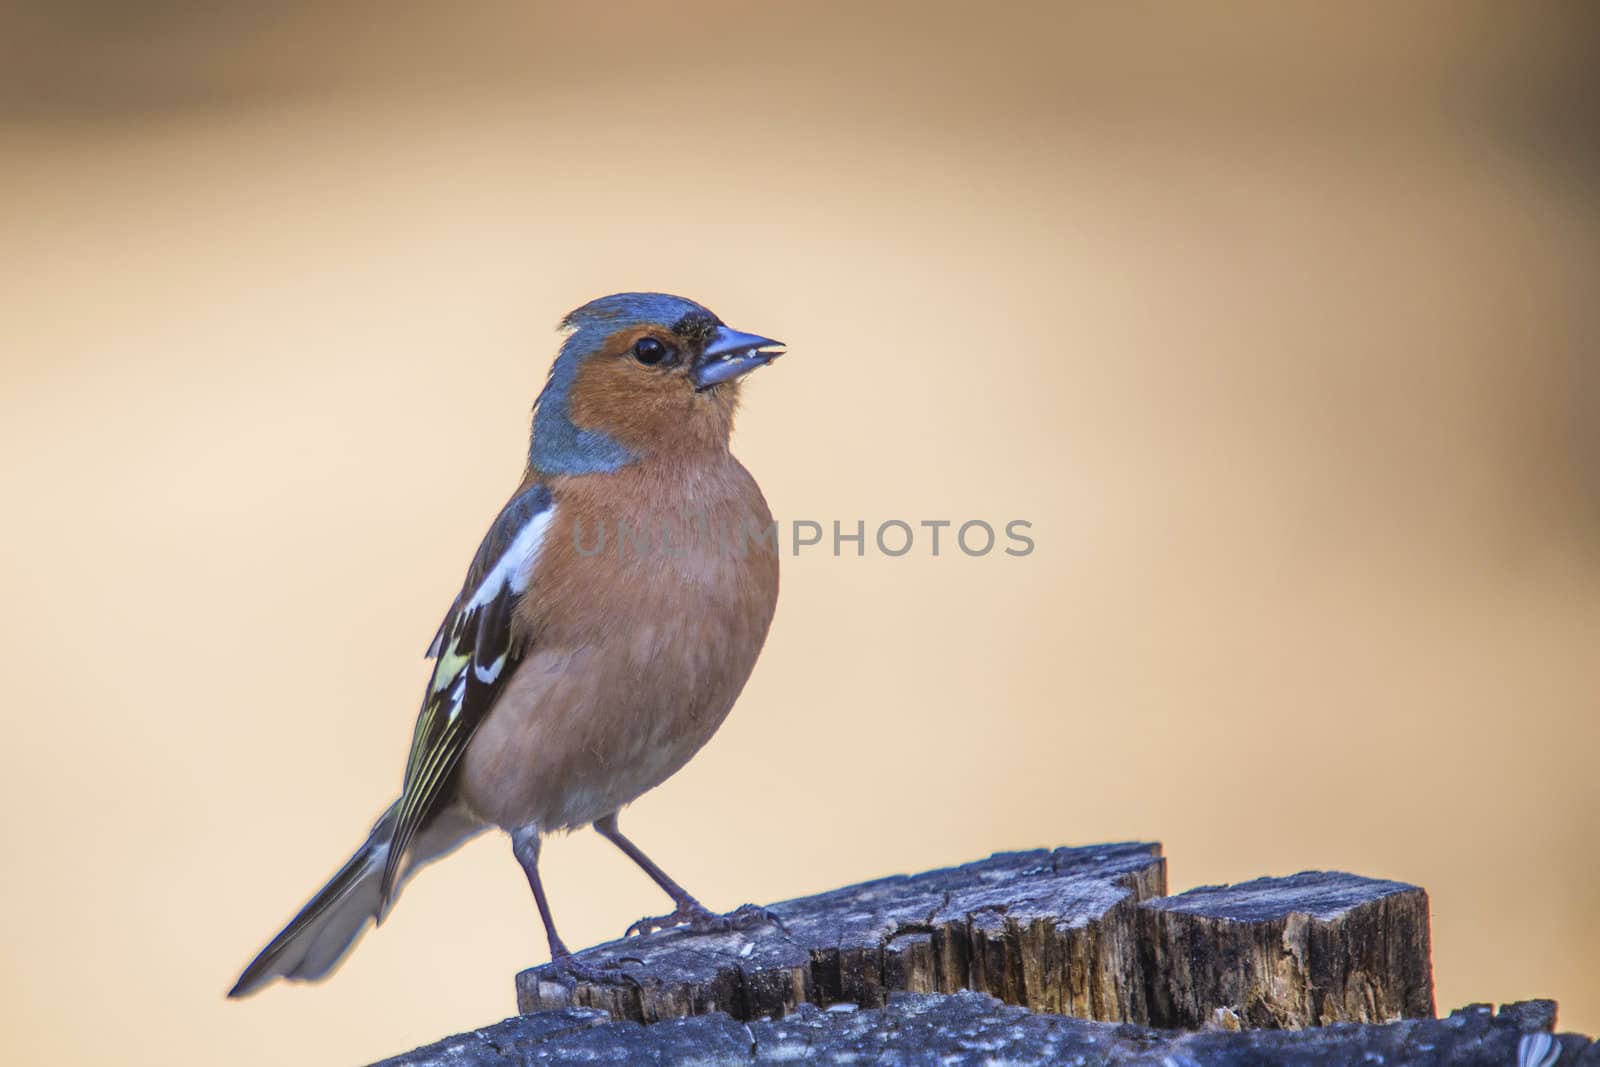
(610, 702)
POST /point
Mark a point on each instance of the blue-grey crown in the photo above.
(558, 446)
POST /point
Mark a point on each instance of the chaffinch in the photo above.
(570, 674)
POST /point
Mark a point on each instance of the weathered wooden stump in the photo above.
(1308, 950)
(973, 1030)
(1030, 958)
(1083, 932)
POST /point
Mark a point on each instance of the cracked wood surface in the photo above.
(1084, 932)
(1308, 950)
(974, 1030)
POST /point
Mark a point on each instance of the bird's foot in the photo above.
(701, 921)
(682, 915)
(746, 916)
(609, 973)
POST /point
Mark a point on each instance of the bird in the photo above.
(572, 673)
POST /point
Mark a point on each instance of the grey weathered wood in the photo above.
(1054, 931)
(973, 1030)
(1308, 950)
(1083, 932)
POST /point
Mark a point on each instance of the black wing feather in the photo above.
(474, 656)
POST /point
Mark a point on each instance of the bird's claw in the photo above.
(701, 921)
(577, 970)
(677, 917)
(748, 915)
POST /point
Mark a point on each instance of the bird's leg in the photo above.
(686, 909)
(525, 842)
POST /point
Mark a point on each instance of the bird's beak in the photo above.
(730, 354)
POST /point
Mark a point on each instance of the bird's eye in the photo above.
(649, 351)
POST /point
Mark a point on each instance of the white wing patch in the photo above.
(514, 566)
(512, 571)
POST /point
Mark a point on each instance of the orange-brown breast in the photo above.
(635, 651)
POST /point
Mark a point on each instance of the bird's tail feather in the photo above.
(330, 924)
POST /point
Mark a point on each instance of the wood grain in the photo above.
(1080, 932)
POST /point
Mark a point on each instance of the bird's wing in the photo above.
(473, 655)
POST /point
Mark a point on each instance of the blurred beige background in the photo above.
(1279, 324)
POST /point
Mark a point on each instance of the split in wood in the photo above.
(1084, 932)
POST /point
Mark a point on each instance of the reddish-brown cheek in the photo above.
(641, 408)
